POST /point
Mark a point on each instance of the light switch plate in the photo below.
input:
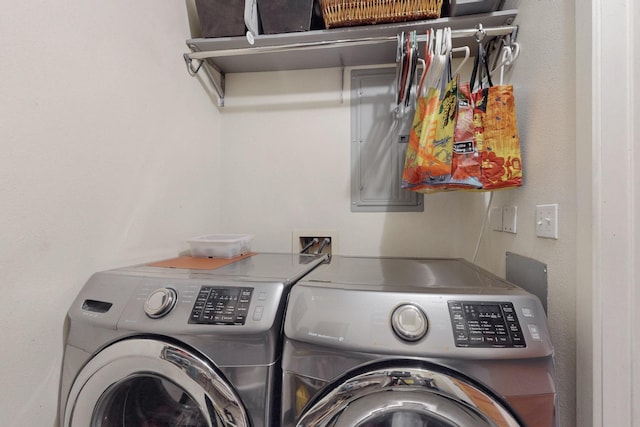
(509, 219)
(495, 216)
(547, 221)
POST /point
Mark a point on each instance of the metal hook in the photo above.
(480, 34)
(189, 62)
(467, 54)
(513, 37)
(505, 55)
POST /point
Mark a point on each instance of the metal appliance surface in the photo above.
(397, 341)
(162, 346)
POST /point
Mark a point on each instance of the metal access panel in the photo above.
(378, 145)
(529, 274)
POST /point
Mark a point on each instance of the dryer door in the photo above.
(403, 396)
(145, 382)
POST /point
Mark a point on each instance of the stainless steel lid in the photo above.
(408, 274)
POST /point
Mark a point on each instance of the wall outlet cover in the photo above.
(509, 219)
(495, 216)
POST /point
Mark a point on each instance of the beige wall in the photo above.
(112, 155)
(287, 149)
(109, 157)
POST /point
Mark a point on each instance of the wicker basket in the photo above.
(342, 13)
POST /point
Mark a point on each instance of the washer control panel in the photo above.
(221, 306)
(485, 324)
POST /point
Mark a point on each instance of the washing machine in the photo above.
(174, 345)
(379, 342)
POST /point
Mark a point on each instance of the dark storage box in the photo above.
(287, 16)
(221, 18)
(470, 7)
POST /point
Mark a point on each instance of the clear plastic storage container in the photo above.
(220, 245)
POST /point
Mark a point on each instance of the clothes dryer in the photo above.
(155, 346)
(379, 342)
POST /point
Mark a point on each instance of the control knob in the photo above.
(409, 322)
(160, 302)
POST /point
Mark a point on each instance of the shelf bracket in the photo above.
(216, 77)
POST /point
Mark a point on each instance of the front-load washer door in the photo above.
(146, 382)
(401, 396)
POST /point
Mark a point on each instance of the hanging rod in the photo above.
(473, 32)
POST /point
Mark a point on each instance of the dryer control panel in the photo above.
(221, 306)
(485, 324)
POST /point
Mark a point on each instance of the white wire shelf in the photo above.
(337, 47)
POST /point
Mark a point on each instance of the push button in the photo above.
(535, 333)
(258, 312)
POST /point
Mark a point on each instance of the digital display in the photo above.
(485, 324)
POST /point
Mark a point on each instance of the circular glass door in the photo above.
(407, 397)
(147, 400)
(150, 383)
(406, 418)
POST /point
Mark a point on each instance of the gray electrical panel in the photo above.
(378, 145)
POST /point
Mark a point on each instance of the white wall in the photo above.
(109, 157)
(287, 152)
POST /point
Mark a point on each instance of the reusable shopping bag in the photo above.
(465, 162)
(434, 153)
(496, 130)
(415, 172)
(429, 153)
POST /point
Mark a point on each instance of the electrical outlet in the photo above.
(547, 221)
(509, 219)
(314, 241)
